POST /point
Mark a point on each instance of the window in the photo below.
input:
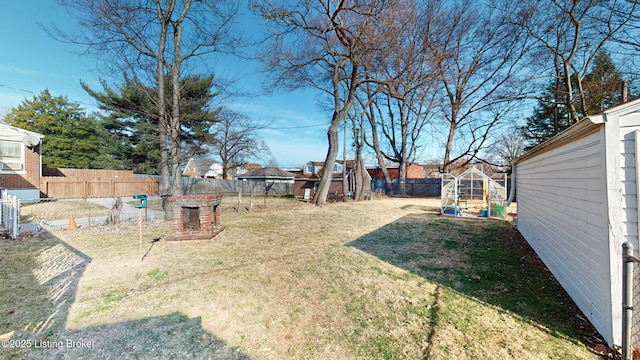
(11, 157)
(308, 169)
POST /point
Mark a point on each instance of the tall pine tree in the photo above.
(602, 88)
(72, 138)
(132, 119)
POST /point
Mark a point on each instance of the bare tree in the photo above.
(148, 39)
(509, 145)
(358, 127)
(371, 113)
(572, 33)
(321, 44)
(476, 55)
(402, 99)
(237, 141)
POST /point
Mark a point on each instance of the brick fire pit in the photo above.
(195, 217)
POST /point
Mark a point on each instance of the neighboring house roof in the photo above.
(13, 133)
(317, 174)
(268, 173)
(349, 163)
(204, 167)
(252, 166)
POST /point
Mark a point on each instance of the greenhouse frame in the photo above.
(474, 194)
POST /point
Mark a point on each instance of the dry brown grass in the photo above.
(376, 279)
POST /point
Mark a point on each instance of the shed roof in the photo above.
(582, 128)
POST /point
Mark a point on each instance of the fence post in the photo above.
(239, 196)
(627, 298)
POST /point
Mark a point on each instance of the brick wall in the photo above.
(414, 171)
(300, 184)
(209, 213)
(30, 179)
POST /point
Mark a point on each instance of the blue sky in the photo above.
(32, 61)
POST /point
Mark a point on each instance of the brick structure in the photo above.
(414, 171)
(29, 178)
(195, 217)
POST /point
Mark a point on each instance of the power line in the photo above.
(14, 88)
(33, 92)
(294, 127)
(266, 128)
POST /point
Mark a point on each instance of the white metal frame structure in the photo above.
(474, 194)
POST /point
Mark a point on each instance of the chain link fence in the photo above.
(38, 215)
(9, 209)
(51, 214)
(630, 304)
(430, 187)
(218, 186)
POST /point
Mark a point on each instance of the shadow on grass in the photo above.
(481, 259)
(38, 283)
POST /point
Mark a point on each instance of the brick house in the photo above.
(20, 162)
(414, 171)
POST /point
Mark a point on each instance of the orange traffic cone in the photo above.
(72, 223)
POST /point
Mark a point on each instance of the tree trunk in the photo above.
(176, 143)
(378, 151)
(403, 177)
(320, 196)
(359, 171)
(360, 178)
(403, 157)
(446, 166)
(163, 123)
(332, 133)
(573, 114)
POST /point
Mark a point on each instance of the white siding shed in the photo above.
(577, 204)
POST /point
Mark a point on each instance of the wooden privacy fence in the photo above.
(88, 173)
(74, 187)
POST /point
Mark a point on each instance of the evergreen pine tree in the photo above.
(132, 119)
(602, 88)
(72, 138)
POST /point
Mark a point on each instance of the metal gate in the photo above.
(9, 214)
(630, 303)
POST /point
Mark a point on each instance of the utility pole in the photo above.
(344, 159)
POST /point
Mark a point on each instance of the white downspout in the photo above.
(512, 190)
(636, 143)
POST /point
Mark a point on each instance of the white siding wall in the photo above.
(628, 125)
(562, 212)
(623, 207)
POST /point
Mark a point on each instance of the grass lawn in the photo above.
(382, 279)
